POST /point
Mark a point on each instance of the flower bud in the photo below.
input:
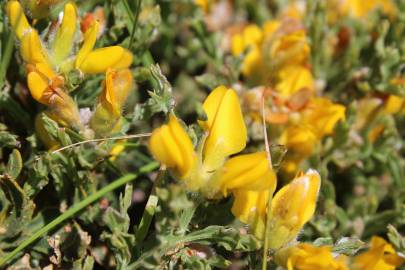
(292, 207)
(171, 146)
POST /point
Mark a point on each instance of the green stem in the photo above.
(135, 23)
(267, 234)
(78, 207)
(5, 58)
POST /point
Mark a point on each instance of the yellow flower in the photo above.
(250, 207)
(91, 61)
(58, 56)
(360, 9)
(308, 257)
(227, 134)
(394, 104)
(248, 172)
(289, 49)
(47, 88)
(323, 116)
(316, 121)
(251, 36)
(380, 256)
(300, 139)
(171, 146)
(17, 18)
(208, 171)
(292, 207)
(106, 118)
(293, 78)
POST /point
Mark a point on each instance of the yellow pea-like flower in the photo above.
(250, 208)
(99, 60)
(17, 19)
(381, 256)
(107, 117)
(63, 42)
(323, 116)
(250, 36)
(248, 172)
(394, 104)
(118, 84)
(171, 145)
(293, 78)
(90, 37)
(32, 50)
(290, 49)
(305, 256)
(226, 128)
(292, 207)
(299, 138)
(360, 9)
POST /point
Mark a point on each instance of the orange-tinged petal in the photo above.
(99, 60)
(118, 84)
(63, 41)
(17, 19)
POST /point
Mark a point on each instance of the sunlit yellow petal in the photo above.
(32, 50)
(63, 41)
(37, 86)
(292, 207)
(17, 19)
(90, 38)
(171, 146)
(248, 172)
(99, 60)
(227, 130)
(250, 208)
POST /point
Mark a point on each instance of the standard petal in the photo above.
(63, 41)
(227, 130)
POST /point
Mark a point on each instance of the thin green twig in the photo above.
(135, 22)
(76, 208)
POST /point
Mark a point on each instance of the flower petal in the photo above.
(99, 60)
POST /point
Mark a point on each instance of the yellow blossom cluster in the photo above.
(49, 63)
